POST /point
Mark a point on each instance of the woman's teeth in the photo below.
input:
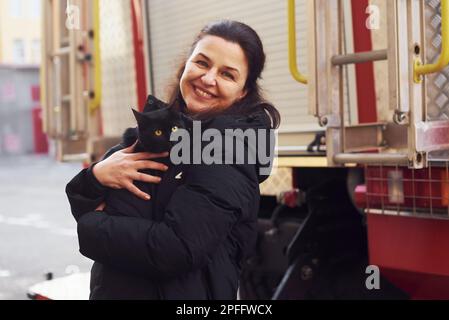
(202, 93)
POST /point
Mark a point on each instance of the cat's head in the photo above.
(155, 127)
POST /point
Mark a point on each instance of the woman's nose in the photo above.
(209, 78)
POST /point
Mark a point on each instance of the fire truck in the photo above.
(357, 206)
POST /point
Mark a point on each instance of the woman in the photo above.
(208, 213)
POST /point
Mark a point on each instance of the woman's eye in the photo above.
(202, 63)
(158, 132)
(228, 75)
(174, 128)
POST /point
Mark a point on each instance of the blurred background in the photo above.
(38, 235)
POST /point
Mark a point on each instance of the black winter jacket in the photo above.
(193, 246)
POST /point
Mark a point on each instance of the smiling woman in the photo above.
(211, 80)
(221, 72)
(200, 225)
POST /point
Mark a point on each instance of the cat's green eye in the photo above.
(158, 132)
(174, 128)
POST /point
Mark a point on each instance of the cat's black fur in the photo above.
(164, 120)
(153, 135)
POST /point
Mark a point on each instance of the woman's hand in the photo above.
(120, 169)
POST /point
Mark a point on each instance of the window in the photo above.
(35, 9)
(15, 8)
(36, 51)
(18, 54)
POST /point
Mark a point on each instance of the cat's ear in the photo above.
(139, 117)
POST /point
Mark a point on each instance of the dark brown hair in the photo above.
(251, 45)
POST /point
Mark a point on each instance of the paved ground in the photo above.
(37, 231)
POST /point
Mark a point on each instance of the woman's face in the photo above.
(214, 76)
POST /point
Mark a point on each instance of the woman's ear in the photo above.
(243, 95)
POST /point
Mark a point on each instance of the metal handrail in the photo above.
(298, 76)
(372, 158)
(359, 57)
(443, 60)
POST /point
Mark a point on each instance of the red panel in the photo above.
(409, 244)
(40, 138)
(137, 27)
(366, 96)
(419, 285)
(35, 93)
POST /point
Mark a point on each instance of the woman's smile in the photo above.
(203, 94)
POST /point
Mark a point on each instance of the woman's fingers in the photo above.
(121, 168)
(133, 189)
(146, 178)
(148, 155)
(148, 164)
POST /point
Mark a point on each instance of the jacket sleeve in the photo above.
(84, 191)
(199, 217)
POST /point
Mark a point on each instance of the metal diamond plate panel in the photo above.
(437, 83)
(280, 180)
(119, 91)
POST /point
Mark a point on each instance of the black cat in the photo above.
(153, 130)
(153, 135)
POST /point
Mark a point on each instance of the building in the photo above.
(20, 58)
(20, 29)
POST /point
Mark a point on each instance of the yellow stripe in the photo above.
(301, 162)
(298, 76)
